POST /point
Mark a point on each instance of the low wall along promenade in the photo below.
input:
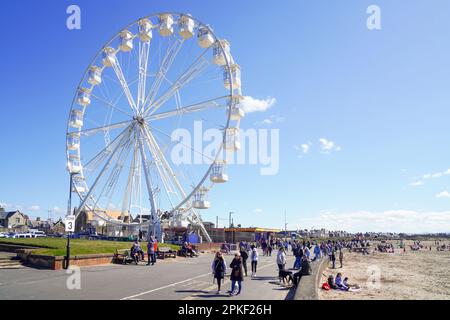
(25, 253)
(309, 286)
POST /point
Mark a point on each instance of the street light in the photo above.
(231, 213)
(69, 214)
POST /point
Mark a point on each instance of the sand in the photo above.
(412, 275)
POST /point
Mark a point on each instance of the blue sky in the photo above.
(378, 100)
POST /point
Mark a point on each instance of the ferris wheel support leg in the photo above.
(154, 227)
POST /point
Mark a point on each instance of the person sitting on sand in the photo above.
(340, 285)
(331, 283)
(350, 286)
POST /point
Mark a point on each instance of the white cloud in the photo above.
(34, 208)
(408, 221)
(265, 122)
(57, 209)
(250, 104)
(269, 121)
(436, 175)
(443, 194)
(416, 183)
(305, 147)
(258, 210)
(328, 146)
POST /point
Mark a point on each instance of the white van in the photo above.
(24, 235)
(38, 234)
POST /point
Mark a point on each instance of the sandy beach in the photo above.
(409, 275)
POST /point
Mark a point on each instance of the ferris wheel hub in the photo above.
(140, 120)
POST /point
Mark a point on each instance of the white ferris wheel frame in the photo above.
(131, 129)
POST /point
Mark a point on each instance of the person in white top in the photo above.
(281, 259)
(254, 259)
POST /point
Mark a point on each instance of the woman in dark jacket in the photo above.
(219, 268)
(236, 273)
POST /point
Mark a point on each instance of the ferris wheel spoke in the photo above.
(109, 104)
(123, 140)
(159, 157)
(106, 150)
(88, 132)
(185, 145)
(123, 82)
(163, 168)
(169, 57)
(201, 106)
(193, 71)
(144, 51)
(113, 178)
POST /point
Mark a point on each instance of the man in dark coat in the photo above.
(244, 256)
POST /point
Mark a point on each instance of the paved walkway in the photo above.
(179, 279)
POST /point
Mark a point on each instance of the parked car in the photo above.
(20, 235)
(38, 234)
(3, 235)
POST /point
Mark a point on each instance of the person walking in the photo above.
(254, 259)
(219, 269)
(341, 257)
(244, 256)
(151, 251)
(264, 248)
(236, 274)
(316, 252)
(281, 259)
(307, 253)
(333, 259)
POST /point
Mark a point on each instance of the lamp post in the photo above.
(285, 226)
(231, 225)
(231, 213)
(69, 214)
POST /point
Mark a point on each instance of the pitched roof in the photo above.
(7, 215)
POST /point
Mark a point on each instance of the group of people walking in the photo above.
(238, 267)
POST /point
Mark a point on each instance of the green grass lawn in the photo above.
(57, 246)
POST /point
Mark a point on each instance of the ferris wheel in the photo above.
(162, 74)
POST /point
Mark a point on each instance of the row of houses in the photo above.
(322, 233)
(16, 221)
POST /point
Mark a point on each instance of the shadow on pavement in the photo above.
(212, 295)
(191, 291)
(264, 278)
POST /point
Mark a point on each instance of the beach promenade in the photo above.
(172, 279)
